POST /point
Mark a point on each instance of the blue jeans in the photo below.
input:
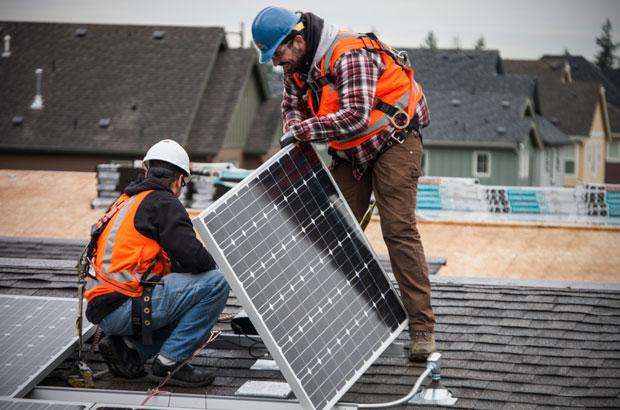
(184, 310)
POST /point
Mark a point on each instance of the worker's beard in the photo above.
(294, 65)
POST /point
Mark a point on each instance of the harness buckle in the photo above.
(399, 137)
(314, 86)
(403, 122)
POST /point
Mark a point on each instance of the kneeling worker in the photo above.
(143, 308)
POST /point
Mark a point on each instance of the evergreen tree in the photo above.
(480, 44)
(605, 58)
(430, 41)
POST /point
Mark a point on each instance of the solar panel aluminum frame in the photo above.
(239, 290)
(61, 354)
(11, 403)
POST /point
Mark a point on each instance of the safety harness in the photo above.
(397, 116)
(141, 304)
(85, 376)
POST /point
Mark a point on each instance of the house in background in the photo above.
(579, 109)
(77, 95)
(581, 70)
(485, 124)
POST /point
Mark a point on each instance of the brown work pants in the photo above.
(394, 180)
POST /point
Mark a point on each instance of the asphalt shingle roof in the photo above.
(466, 70)
(121, 73)
(583, 70)
(459, 116)
(569, 106)
(506, 343)
(476, 79)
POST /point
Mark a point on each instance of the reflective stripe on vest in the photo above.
(127, 254)
(396, 86)
(107, 257)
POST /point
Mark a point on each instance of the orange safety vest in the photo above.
(396, 87)
(124, 255)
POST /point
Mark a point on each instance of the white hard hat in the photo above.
(169, 151)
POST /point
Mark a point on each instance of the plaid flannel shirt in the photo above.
(356, 73)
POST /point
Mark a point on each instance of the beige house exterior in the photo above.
(590, 151)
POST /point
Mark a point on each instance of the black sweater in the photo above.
(160, 217)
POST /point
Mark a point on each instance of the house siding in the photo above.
(595, 148)
(244, 114)
(549, 167)
(591, 151)
(458, 162)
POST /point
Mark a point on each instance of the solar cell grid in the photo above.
(35, 333)
(21, 404)
(296, 257)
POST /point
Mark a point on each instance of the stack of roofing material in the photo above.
(202, 189)
(531, 200)
(598, 199)
(460, 198)
(204, 177)
(111, 181)
(450, 193)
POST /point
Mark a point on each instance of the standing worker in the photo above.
(354, 92)
(144, 309)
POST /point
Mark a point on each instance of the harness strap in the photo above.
(141, 314)
(318, 84)
(141, 311)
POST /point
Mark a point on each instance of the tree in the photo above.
(430, 41)
(480, 44)
(605, 58)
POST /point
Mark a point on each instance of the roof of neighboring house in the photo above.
(568, 106)
(614, 118)
(476, 79)
(147, 82)
(487, 118)
(268, 121)
(472, 62)
(549, 133)
(466, 70)
(583, 70)
(506, 343)
(148, 88)
(613, 74)
(222, 93)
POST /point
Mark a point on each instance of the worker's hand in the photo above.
(287, 139)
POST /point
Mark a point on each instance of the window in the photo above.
(570, 161)
(613, 151)
(424, 162)
(524, 163)
(594, 156)
(481, 164)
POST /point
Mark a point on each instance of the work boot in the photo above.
(122, 360)
(186, 376)
(422, 345)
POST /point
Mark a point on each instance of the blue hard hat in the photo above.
(270, 27)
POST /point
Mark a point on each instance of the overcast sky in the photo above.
(524, 29)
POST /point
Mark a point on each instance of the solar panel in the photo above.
(302, 268)
(36, 334)
(24, 404)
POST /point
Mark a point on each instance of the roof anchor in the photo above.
(433, 394)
